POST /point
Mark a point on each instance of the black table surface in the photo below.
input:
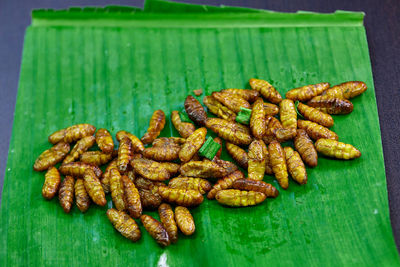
(382, 23)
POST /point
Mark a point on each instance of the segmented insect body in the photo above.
(257, 119)
(224, 183)
(228, 166)
(185, 129)
(124, 224)
(150, 169)
(288, 114)
(184, 220)
(238, 154)
(81, 196)
(305, 147)
(181, 197)
(217, 108)
(104, 141)
(254, 185)
(257, 154)
(266, 90)
(72, 133)
(202, 169)
(143, 183)
(336, 149)
(150, 199)
(132, 198)
(195, 110)
(155, 229)
(268, 169)
(271, 109)
(124, 154)
(229, 131)
(316, 131)
(307, 92)
(273, 125)
(80, 147)
(171, 167)
(161, 141)
(105, 180)
(192, 144)
(295, 165)
(66, 193)
(238, 198)
(117, 189)
(57, 136)
(157, 123)
(331, 105)
(199, 184)
(232, 101)
(285, 134)
(248, 95)
(51, 157)
(313, 114)
(278, 163)
(137, 145)
(51, 183)
(165, 152)
(93, 188)
(77, 169)
(347, 90)
(167, 219)
(95, 157)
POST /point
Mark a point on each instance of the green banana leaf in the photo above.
(113, 67)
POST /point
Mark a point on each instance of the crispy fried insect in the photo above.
(257, 154)
(117, 189)
(273, 125)
(195, 110)
(347, 90)
(248, 95)
(202, 169)
(181, 197)
(227, 165)
(132, 197)
(157, 123)
(105, 180)
(57, 136)
(192, 144)
(305, 147)
(124, 154)
(238, 198)
(77, 169)
(130, 173)
(225, 183)
(172, 168)
(137, 145)
(238, 154)
(257, 119)
(266, 90)
(217, 108)
(184, 128)
(199, 184)
(165, 152)
(257, 186)
(288, 114)
(81, 196)
(150, 169)
(124, 224)
(168, 221)
(155, 229)
(93, 187)
(285, 134)
(51, 183)
(66, 193)
(169, 141)
(268, 168)
(331, 105)
(143, 183)
(80, 147)
(295, 165)
(95, 157)
(104, 141)
(307, 92)
(316, 131)
(233, 102)
(184, 220)
(51, 157)
(229, 131)
(218, 141)
(313, 114)
(271, 109)
(149, 199)
(278, 163)
(336, 149)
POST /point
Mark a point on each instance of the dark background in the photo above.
(382, 22)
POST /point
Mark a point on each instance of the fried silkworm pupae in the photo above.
(181, 197)
(307, 92)
(248, 95)
(124, 224)
(51, 183)
(305, 147)
(117, 189)
(195, 110)
(238, 154)
(185, 129)
(331, 105)
(155, 229)
(199, 184)
(336, 149)
(124, 154)
(266, 90)
(257, 119)
(229, 131)
(132, 197)
(93, 188)
(79, 148)
(167, 219)
(193, 144)
(313, 114)
(82, 198)
(72, 133)
(238, 198)
(66, 193)
(97, 158)
(217, 108)
(150, 169)
(77, 169)
(104, 141)
(257, 157)
(51, 157)
(137, 145)
(295, 165)
(278, 163)
(157, 123)
(202, 169)
(254, 185)
(347, 90)
(224, 183)
(184, 220)
(316, 131)
(233, 102)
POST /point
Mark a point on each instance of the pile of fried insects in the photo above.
(179, 170)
